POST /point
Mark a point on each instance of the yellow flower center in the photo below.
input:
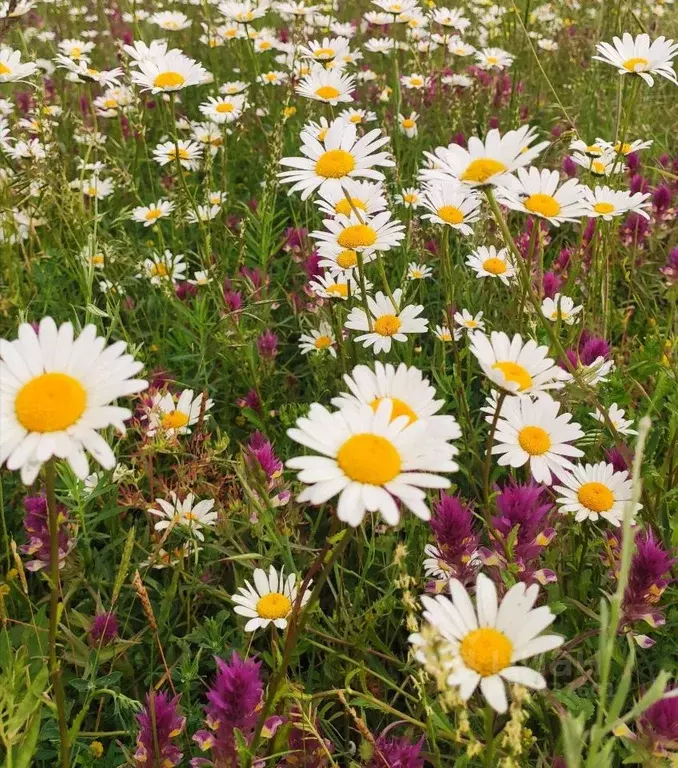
(355, 119)
(97, 259)
(445, 336)
(159, 270)
(603, 208)
(624, 148)
(368, 458)
(634, 63)
(4, 69)
(387, 325)
(450, 214)
(274, 606)
(50, 402)
(325, 53)
(264, 45)
(338, 289)
(399, 408)
(460, 51)
(495, 266)
(169, 80)
(543, 205)
(93, 72)
(596, 497)
(91, 191)
(76, 52)
(534, 440)
(323, 342)
(481, 169)
(345, 208)
(408, 123)
(597, 166)
(416, 274)
(225, 108)
(153, 214)
(357, 236)
(492, 60)
(174, 420)
(335, 163)
(327, 92)
(172, 25)
(486, 651)
(289, 111)
(416, 81)
(321, 137)
(470, 324)
(514, 373)
(347, 259)
(110, 104)
(411, 198)
(594, 149)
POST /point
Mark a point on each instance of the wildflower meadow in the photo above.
(338, 404)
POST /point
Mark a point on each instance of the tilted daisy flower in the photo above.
(328, 49)
(225, 109)
(532, 432)
(407, 388)
(167, 72)
(627, 148)
(244, 12)
(233, 87)
(516, 366)
(452, 205)
(189, 152)
(365, 196)
(382, 45)
(328, 85)
(493, 58)
(184, 514)
(165, 267)
(468, 322)
(450, 17)
(485, 162)
(330, 286)
(606, 164)
(149, 214)
(396, 7)
(170, 21)
(458, 47)
(415, 82)
(318, 340)
(592, 491)
(408, 125)
(639, 56)
(418, 271)
(172, 418)
(410, 197)
(435, 566)
(389, 323)
(539, 194)
(202, 213)
(616, 416)
(96, 187)
(370, 460)
(339, 156)
(271, 599)
(341, 260)
(561, 308)
(607, 203)
(81, 71)
(76, 49)
(442, 333)
(274, 77)
(377, 233)
(57, 392)
(484, 643)
(592, 150)
(11, 68)
(487, 261)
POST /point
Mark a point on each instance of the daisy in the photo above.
(175, 419)
(488, 162)
(602, 165)
(434, 565)
(233, 87)
(532, 432)
(57, 392)
(537, 193)
(595, 490)
(451, 205)
(166, 72)
(483, 644)
(209, 134)
(415, 82)
(330, 286)
(607, 203)
(340, 262)
(396, 7)
(11, 68)
(408, 125)
(410, 197)
(320, 339)
(202, 213)
(189, 153)
(458, 47)
(338, 156)
(493, 58)
(328, 85)
(616, 416)
(593, 374)
(367, 234)
(628, 147)
(182, 514)
(148, 215)
(561, 308)
(490, 262)
(370, 461)
(165, 267)
(442, 333)
(81, 71)
(327, 50)
(170, 21)
(97, 188)
(520, 368)
(592, 150)
(225, 109)
(168, 559)
(271, 599)
(383, 45)
(76, 49)
(244, 12)
(365, 197)
(389, 322)
(640, 57)
(357, 116)
(418, 271)
(468, 322)
(451, 18)
(409, 391)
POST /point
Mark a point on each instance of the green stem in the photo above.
(489, 736)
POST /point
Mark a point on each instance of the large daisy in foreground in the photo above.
(483, 644)
(57, 392)
(369, 460)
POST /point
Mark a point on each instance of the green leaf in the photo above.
(573, 742)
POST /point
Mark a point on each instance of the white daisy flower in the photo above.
(639, 56)
(539, 194)
(318, 340)
(244, 12)
(408, 125)
(357, 116)
(616, 415)
(183, 514)
(172, 418)
(365, 196)
(418, 271)
(329, 286)
(164, 267)
(434, 565)
(493, 58)
(338, 156)
(458, 47)
(340, 262)
(274, 77)
(628, 147)
(11, 68)
(603, 165)
(485, 162)
(468, 322)
(389, 323)
(561, 308)
(190, 153)
(170, 21)
(328, 49)
(547, 45)
(81, 71)
(202, 213)
(593, 374)
(410, 197)
(415, 82)
(377, 233)
(487, 261)
(225, 109)
(409, 391)
(442, 333)
(518, 367)
(397, 7)
(75, 49)
(484, 643)
(532, 432)
(149, 214)
(167, 71)
(233, 87)
(383, 45)
(595, 490)
(451, 205)
(592, 150)
(328, 85)
(607, 203)
(369, 460)
(271, 599)
(168, 559)
(57, 392)
(97, 188)
(450, 17)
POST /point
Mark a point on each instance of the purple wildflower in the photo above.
(457, 542)
(36, 525)
(104, 628)
(615, 457)
(267, 344)
(261, 458)
(670, 270)
(569, 167)
(661, 198)
(396, 753)
(551, 284)
(659, 723)
(159, 723)
(304, 747)
(251, 400)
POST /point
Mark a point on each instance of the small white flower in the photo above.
(389, 323)
(148, 215)
(418, 271)
(183, 514)
(319, 340)
(172, 418)
(490, 262)
(616, 416)
(561, 308)
(271, 599)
